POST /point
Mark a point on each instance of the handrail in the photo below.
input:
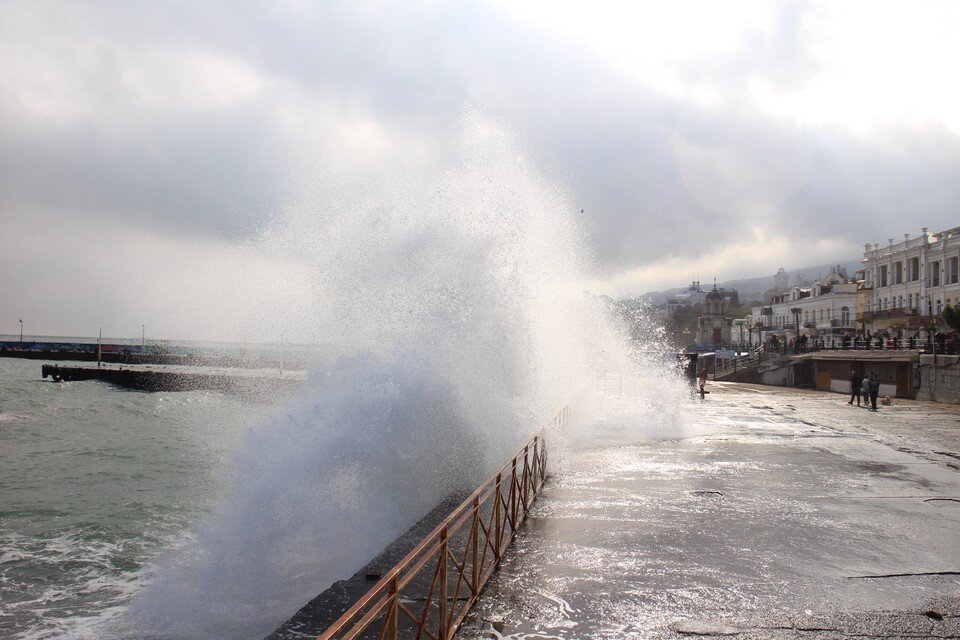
(494, 512)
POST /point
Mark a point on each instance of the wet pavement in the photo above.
(775, 513)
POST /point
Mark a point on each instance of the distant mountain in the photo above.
(754, 288)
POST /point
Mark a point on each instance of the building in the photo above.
(911, 281)
(830, 370)
(690, 297)
(781, 280)
(826, 310)
(713, 326)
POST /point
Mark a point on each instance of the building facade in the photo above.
(692, 296)
(824, 310)
(910, 282)
(713, 326)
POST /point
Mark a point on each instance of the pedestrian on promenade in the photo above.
(855, 381)
(874, 390)
(702, 381)
(865, 390)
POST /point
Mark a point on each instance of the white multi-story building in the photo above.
(826, 308)
(691, 296)
(911, 280)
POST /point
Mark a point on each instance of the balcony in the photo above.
(902, 312)
(838, 322)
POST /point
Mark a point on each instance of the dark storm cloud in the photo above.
(195, 175)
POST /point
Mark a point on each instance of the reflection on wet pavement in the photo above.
(772, 514)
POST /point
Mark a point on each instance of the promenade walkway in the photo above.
(775, 513)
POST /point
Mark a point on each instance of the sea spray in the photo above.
(453, 298)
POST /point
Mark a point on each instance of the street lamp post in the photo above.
(21, 329)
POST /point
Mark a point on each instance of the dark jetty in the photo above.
(158, 380)
(162, 355)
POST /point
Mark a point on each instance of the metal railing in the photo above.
(429, 592)
(723, 368)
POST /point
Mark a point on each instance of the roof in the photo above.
(714, 295)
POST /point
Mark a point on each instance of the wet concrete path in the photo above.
(774, 514)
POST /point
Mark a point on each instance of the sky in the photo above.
(145, 146)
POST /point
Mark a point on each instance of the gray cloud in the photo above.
(114, 112)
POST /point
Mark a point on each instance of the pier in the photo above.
(236, 358)
(247, 383)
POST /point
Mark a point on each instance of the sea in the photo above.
(94, 482)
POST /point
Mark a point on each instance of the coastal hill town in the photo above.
(894, 314)
(900, 290)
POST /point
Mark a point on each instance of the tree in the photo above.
(759, 327)
(951, 316)
(796, 311)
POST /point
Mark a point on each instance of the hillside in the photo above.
(753, 288)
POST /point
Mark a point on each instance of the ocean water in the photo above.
(94, 482)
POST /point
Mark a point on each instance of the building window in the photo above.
(845, 316)
(913, 269)
(883, 275)
(935, 274)
(939, 307)
(954, 270)
(897, 272)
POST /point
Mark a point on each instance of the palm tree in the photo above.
(796, 311)
(952, 317)
(759, 327)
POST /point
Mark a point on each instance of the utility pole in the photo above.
(21, 329)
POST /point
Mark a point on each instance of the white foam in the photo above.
(458, 301)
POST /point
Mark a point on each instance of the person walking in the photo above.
(855, 381)
(874, 390)
(865, 390)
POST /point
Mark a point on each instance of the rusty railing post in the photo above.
(442, 596)
(525, 478)
(535, 470)
(513, 494)
(390, 624)
(475, 551)
(498, 535)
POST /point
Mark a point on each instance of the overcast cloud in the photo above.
(137, 136)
